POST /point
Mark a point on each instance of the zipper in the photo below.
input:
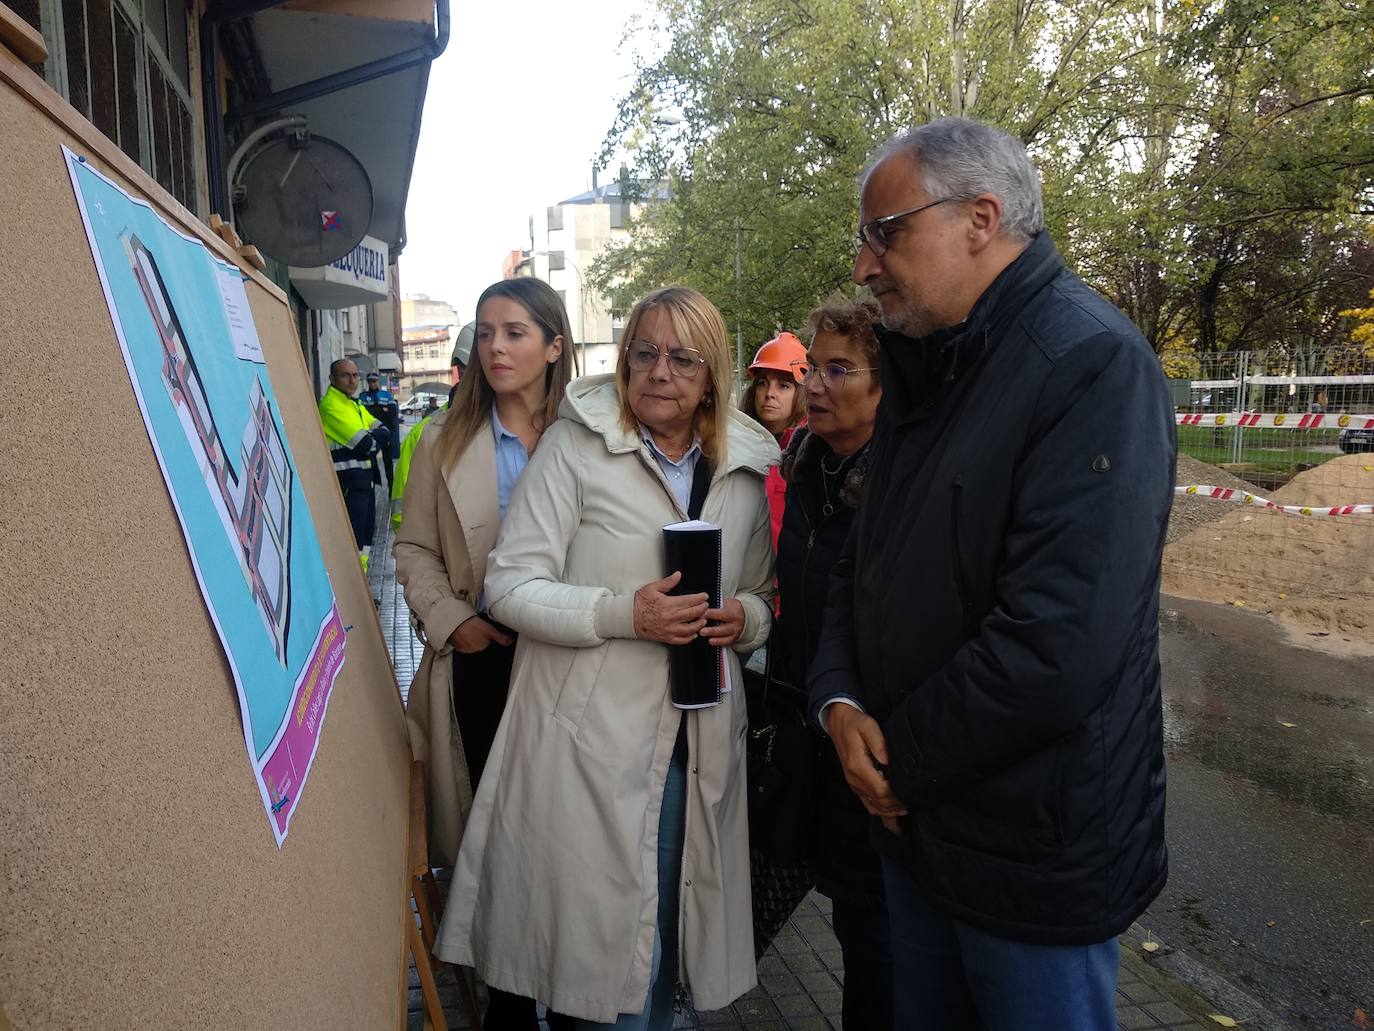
(956, 509)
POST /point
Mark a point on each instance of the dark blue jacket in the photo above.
(996, 607)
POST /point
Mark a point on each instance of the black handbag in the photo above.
(783, 757)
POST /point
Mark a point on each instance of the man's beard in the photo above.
(911, 322)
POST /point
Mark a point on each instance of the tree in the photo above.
(1204, 161)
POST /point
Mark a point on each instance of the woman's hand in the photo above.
(475, 634)
(669, 619)
(729, 623)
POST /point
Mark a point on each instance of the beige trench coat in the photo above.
(448, 529)
(555, 893)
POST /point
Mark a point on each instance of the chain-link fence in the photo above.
(1278, 463)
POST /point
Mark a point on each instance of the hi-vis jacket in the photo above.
(353, 434)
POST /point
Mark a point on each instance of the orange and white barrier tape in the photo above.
(1245, 498)
(1279, 420)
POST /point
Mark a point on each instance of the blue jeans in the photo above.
(948, 976)
(672, 820)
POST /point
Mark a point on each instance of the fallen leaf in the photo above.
(1282, 596)
(1270, 923)
(1361, 1020)
(1285, 723)
(1150, 946)
(1239, 603)
(1223, 1021)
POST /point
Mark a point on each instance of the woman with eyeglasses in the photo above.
(817, 831)
(606, 858)
(460, 478)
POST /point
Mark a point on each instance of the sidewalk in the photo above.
(801, 973)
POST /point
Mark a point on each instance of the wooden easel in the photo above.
(424, 893)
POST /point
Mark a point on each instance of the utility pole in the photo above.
(739, 326)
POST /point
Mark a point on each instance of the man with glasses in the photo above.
(989, 664)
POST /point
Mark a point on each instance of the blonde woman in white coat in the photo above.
(606, 857)
(461, 478)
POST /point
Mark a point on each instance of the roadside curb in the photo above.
(1193, 986)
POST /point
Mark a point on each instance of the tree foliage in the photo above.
(1208, 164)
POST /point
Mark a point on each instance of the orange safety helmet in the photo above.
(784, 353)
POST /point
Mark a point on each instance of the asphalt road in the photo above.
(1269, 823)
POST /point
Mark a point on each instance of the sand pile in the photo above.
(1190, 512)
(1314, 573)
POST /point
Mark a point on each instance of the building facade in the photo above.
(192, 89)
(565, 239)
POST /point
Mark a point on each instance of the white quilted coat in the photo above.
(555, 891)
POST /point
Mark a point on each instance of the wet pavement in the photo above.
(1271, 813)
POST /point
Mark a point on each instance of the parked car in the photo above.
(1356, 441)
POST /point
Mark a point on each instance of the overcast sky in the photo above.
(515, 112)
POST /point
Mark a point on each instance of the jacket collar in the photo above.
(471, 485)
(914, 370)
(594, 402)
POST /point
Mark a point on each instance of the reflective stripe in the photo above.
(357, 438)
(350, 463)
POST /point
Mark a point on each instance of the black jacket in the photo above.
(823, 496)
(996, 608)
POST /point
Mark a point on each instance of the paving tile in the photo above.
(718, 1018)
(819, 981)
(1166, 1013)
(1133, 1018)
(758, 1008)
(830, 1003)
(795, 1007)
(771, 963)
(804, 962)
(780, 984)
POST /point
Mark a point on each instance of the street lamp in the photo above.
(581, 304)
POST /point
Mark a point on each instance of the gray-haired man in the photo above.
(989, 669)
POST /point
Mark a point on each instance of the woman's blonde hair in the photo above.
(698, 324)
(470, 410)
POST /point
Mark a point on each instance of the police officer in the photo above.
(355, 440)
(380, 402)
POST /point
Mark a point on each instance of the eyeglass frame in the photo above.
(877, 227)
(661, 353)
(819, 370)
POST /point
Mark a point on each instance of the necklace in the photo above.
(828, 509)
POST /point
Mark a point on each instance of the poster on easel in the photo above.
(195, 360)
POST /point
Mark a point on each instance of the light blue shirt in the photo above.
(678, 474)
(511, 459)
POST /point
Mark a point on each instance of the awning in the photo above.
(378, 121)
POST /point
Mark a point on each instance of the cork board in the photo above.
(122, 905)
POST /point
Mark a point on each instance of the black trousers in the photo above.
(362, 514)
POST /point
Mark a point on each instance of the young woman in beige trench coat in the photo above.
(556, 890)
(461, 476)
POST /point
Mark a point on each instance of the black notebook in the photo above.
(697, 668)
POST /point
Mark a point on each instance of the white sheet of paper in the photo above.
(241, 329)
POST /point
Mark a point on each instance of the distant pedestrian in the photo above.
(382, 404)
(465, 466)
(989, 663)
(356, 438)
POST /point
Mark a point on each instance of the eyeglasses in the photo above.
(833, 374)
(683, 362)
(875, 233)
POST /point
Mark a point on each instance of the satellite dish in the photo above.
(306, 200)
